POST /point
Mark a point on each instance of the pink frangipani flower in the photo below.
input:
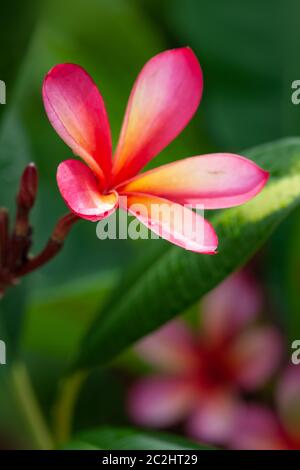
(257, 427)
(200, 379)
(164, 98)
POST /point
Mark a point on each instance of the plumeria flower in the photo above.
(164, 98)
(200, 378)
(258, 427)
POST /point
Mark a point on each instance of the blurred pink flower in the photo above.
(258, 427)
(164, 98)
(200, 379)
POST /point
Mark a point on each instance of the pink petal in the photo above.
(80, 189)
(256, 428)
(213, 418)
(76, 110)
(164, 98)
(255, 355)
(172, 348)
(288, 399)
(230, 306)
(171, 221)
(160, 401)
(214, 181)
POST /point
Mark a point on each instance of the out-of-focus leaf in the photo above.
(129, 439)
(105, 387)
(290, 277)
(17, 22)
(12, 308)
(14, 155)
(57, 318)
(10, 414)
(249, 54)
(178, 278)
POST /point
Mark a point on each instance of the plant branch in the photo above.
(53, 246)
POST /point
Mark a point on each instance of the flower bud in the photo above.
(28, 187)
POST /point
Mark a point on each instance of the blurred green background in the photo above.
(249, 55)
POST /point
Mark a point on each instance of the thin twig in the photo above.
(53, 246)
(19, 247)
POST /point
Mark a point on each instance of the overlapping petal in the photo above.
(164, 98)
(255, 355)
(213, 418)
(76, 110)
(214, 181)
(160, 401)
(79, 188)
(257, 428)
(175, 223)
(288, 400)
(171, 349)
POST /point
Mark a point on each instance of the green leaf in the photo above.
(56, 318)
(11, 319)
(247, 99)
(17, 20)
(14, 155)
(129, 439)
(178, 278)
(107, 388)
(290, 280)
(11, 324)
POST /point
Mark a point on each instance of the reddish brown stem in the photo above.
(20, 240)
(14, 248)
(19, 247)
(50, 250)
(53, 246)
(63, 227)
